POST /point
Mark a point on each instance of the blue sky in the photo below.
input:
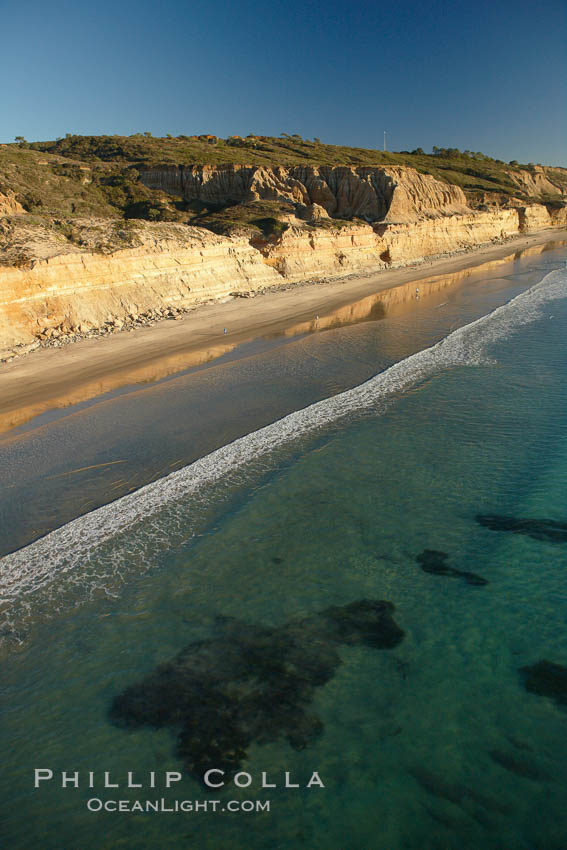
(487, 76)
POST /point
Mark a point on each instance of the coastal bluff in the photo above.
(337, 221)
(373, 194)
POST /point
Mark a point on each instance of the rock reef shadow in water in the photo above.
(457, 792)
(550, 530)
(519, 765)
(547, 680)
(433, 561)
(251, 683)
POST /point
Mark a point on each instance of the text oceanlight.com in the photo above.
(95, 804)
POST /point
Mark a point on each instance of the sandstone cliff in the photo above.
(175, 267)
(77, 291)
(374, 194)
(57, 284)
(9, 205)
(299, 253)
(538, 181)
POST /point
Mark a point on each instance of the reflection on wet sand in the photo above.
(370, 308)
(375, 306)
(140, 374)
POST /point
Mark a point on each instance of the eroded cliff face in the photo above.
(302, 253)
(69, 291)
(374, 194)
(538, 181)
(173, 266)
(359, 248)
(9, 205)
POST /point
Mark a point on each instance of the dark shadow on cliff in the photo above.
(251, 684)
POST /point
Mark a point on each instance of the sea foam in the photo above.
(94, 550)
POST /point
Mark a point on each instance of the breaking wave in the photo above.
(95, 552)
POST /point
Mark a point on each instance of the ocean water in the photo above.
(353, 589)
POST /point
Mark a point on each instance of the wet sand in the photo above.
(59, 377)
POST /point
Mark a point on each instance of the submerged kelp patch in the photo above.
(433, 561)
(550, 530)
(546, 679)
(251, 683)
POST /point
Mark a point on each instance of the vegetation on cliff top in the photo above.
(470, 170)
(98, 176)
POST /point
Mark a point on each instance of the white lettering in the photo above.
(265, 783)
(131, 783)
(315, 780)
(48, 774)
(71, 779)
(289, 784)
(213, 784)
(243, 784)
(171, 776)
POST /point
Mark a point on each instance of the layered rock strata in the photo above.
(173, 267)
(74, 293)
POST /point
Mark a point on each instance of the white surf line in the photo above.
(74, 545)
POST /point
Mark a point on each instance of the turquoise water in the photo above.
(431, 742)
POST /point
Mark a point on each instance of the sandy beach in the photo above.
(55, 378)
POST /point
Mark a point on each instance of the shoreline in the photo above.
(52, 378)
